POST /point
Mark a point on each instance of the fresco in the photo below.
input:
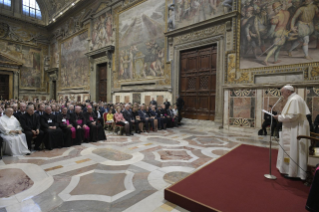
(102, 33)
(74, 64)
(187, 12)
(278, 33)
(55, 56)
(30, 74)
(141, 41)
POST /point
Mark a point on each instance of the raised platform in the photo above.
(236, 182)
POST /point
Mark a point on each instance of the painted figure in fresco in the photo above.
(171, 17)
(213, 6)
(277, 32)
(228, 6)
(255, 28)
(302, 23)
(108, 23)
(185, 9)
(243, 36)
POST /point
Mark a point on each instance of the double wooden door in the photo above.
(4, 87)
(102, 81)
(198, 82)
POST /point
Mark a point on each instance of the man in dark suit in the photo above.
(54, 111)
(30, 123)
(128, 116)
(40, 110)
(153, 102)
(21, 112)
(66, 123)
(167, 104)
(71, 109)
(267, 121)
(180, 104)
(145, 118)
(53, 135)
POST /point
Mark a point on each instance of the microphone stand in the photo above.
(270, 176)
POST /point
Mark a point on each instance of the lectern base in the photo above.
(271, 177)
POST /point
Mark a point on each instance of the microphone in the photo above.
(277, 102)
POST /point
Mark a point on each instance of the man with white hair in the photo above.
(15, 142)
(21, 111)
(294, 123)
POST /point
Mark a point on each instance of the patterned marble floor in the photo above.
(122, 174)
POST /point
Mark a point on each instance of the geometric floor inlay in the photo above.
(174, 177)
(112, 154)
(13, 181)
(100, 184)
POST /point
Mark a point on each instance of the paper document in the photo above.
(265, 111)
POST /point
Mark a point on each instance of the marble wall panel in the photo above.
(241, 109)
(141, 41)
(74, 64)
(312, 99)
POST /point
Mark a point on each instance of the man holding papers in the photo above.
(294, 123)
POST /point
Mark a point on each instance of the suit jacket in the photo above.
(56, 113)
(29, 123)
(143, 115)
(128, 115)
(167, 105)
(38, 112)
(18, 115)
(153, 102)
(45, 124)
(180, 103)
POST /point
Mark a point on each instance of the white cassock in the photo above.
(294, 123)
(13, 144)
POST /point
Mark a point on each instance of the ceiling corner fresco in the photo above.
(54, 6)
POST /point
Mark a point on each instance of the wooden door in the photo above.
(4, 87)
(198, 82)
(102, 80)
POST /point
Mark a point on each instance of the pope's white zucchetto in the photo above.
(289, 87)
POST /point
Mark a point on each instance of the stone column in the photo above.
(51, 88)
(109, 81)
(93, 85)
(16, 75)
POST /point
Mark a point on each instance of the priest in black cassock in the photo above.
(67, 126)
(53, 135)
(82, 130)
(30, 123)
(96, 129)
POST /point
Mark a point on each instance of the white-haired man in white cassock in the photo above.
(294, 123)
(14, 141)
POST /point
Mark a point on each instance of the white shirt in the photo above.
(8, 124)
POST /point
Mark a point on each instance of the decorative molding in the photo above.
(200, 34)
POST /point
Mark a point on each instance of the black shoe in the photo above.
(291, 178)
(37, 148)
(28, 154)
(132, 133)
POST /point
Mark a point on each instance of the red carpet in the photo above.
(236, 182)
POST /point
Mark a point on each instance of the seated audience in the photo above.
(119, 120)
(30, 123)
(53, 135)
(66, 124)
(21, 111)
(167, 104)
(71, 109)
(128, 116)
(151, 112)
(14, 141)
(82, 130)
(145, 118)
(173, 116)
(54, 110)
(138, 122)
(98, 113)
(96, 129)
(40, 110)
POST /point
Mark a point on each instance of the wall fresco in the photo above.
(74, 64)
(278, 33)
(141, 41)
(102, 33)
